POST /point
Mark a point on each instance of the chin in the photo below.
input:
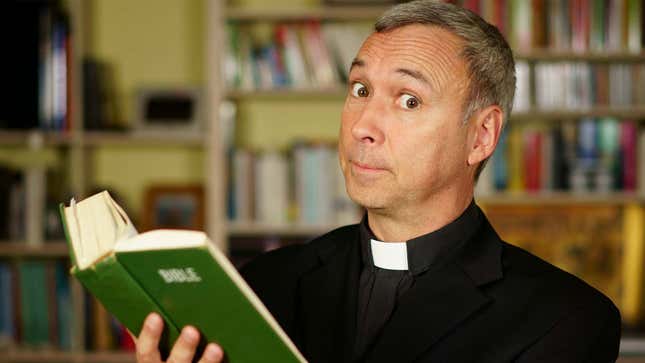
(368, 198)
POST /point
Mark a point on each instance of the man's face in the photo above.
(402, 142)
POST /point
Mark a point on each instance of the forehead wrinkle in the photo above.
(431, 50)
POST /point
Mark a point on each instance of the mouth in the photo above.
(366, 168)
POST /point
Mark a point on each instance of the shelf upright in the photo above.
(215, 167)
(78, 15)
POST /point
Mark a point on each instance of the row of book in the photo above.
(103, 332)
(590, 155)
(578, 25)
(291, 55)
(35, 305)
(20, 188)
(12, 204)
(303, 186)
(36, 310)
(582, 85)
(38, 81)
(579, 85)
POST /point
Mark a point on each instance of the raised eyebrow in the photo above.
(357, 63)
(414, 74)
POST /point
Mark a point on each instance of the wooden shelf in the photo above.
(347, 13)
(104, 138)
(541, 198)
(548, 55)
(21, 249)
(288, 94)
(632, 346)
(633, 112)
(631, 350)
(27, 137)
(67, 357)
(251, 229)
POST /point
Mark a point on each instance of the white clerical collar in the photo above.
(390, 255)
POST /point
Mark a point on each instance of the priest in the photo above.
(423, 277)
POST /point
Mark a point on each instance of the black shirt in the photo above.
(380, 289)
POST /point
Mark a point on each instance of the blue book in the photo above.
(7, 329)
(33, 303)
(63, 306)
(587, 144)
(500, 162)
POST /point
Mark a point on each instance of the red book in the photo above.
(126, 342)
(532, 160)
(472, 5)
(500, 16)
(628, 135)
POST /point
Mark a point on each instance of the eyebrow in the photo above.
(414, 74)
(357, 63)
(403, 71)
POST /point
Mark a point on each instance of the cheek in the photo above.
(429, 153)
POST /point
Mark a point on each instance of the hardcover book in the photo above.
(179, 274)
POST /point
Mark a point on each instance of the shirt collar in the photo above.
(424, 251)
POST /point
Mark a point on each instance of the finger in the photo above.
(184, 348)
(147, 351)
(212, 354)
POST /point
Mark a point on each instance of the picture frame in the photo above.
(168, 110)
(174, 207)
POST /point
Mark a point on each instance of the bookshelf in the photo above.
(78, 144)
(351, 13)
(629, 202)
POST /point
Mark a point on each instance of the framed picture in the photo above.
(174, 207)
(168, 110)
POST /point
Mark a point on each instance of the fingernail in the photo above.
(213, 352)
(153, 322)
(190, 334)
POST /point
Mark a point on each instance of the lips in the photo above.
(367, 167)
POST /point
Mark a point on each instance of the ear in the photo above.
(486, 129)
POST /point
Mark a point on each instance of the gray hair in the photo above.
(489, 59)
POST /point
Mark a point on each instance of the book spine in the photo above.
(7, 330)
(629, 151)
(64, 307)
(101, 333)
(131, 304)
(635, 26)
(500, 162)
(532, 155)
(52, 303)
(272, 188)
(33, 300)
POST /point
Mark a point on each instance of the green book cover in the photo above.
(33, 299)
(634, 23)
(179, 274)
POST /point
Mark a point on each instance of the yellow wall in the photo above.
(274, 125)
(130, 170)
(149, 42)
(161, 42)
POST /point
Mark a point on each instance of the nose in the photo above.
(367, 128)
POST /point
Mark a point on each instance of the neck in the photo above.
(408, 223)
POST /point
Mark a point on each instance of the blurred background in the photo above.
(223, 116)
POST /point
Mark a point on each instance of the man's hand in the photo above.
(183, 350)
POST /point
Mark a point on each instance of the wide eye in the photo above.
(408, 101)
(359, 90)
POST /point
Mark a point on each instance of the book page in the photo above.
(96, 224)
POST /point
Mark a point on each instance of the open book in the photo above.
(179, 274)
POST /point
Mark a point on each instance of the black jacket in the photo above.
(491, 302)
